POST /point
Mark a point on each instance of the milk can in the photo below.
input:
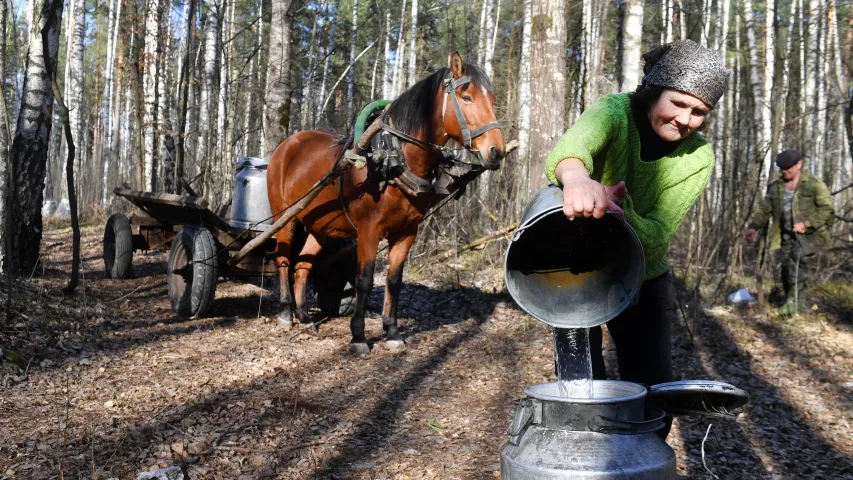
(611, 436)
(574, 275)
(250, 206)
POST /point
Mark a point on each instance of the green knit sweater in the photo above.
(660, 192)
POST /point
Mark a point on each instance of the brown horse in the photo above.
(363, 207)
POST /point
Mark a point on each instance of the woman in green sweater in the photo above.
(640, 154)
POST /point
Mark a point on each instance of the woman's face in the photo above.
(675, 115)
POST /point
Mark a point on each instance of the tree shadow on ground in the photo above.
(293, 420)
(764, 438)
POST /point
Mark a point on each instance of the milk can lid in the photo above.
(252, 162)
(697, 397)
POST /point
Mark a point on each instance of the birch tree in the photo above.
(110, 95)
(524, 99)
(547, 84)
(413, 43)
(351, 72)
(210, 76)
(277, 95)
(761, 113)
(387, 67)
(28, 157)
(631, 45)
(324, 85)
(151, 94)
(74, 78)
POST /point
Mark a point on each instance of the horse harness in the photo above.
(456, 166)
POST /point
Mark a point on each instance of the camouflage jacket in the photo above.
(812, 206)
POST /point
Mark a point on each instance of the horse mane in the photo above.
(413, 108)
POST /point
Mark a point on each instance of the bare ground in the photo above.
(115, 384)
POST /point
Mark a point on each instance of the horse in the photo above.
(359, 204)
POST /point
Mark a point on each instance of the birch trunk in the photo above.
(28, 157)
(782, 111)
(110, 96)
(720, 116)
(307, 102)
(324, 86)
(481, 37)
(210, 75)
(387, 68)
(547, 84)
(632, 44)
(184, 82)
(399, 53)
(353, 51)
(413, 51)
(490, 32)
(150, 66)
(809, 71)
(216, 186)
(761, 112)
(276, 107)
(524, 91)
(74, 77)
(164, 117)
(822, 162)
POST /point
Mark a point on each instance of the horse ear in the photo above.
(456, 65)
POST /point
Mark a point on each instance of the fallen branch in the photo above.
(476, 243)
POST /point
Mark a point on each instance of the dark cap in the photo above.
(788, 158)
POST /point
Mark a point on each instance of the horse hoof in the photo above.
(359, 348)
(284, 322)
(395, 346)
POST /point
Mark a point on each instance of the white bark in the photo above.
(810, 72)
(28, 157)
(353, 51)
(632, 44)
(74, 77)
(219, 181)
(822, 163)
(490, 32)
(324, 85)
(760, 113)
(481, 37)
(387, 68)
(786, 70)
(307, 99)
(110, 96)
(150, 94)
(209, 76)
(276, 99)
(547, 84)
(667, 18)
(413, 47)
(399, 54)
(524, 89)
(720, 114)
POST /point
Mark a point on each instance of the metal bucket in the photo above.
(607, 437)
(250, 206)
(572, 274)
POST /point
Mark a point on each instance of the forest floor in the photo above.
(115, 384)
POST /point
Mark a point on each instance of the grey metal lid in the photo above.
(252, 162)
(697, 397)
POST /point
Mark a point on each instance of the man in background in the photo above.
(800, 207)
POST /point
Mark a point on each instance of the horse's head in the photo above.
(468, 112)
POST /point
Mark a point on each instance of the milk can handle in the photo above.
(627, 427)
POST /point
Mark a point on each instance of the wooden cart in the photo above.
(202, 247)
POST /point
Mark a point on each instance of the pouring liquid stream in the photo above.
(573, 362)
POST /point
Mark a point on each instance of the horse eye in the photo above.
(466, 99)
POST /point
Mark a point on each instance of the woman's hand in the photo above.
(583, 196)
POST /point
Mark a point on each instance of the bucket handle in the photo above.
(526, 412)
(628, 427)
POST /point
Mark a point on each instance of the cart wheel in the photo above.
(192, 271)
(118, 246)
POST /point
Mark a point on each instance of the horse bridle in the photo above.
(450, 85)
